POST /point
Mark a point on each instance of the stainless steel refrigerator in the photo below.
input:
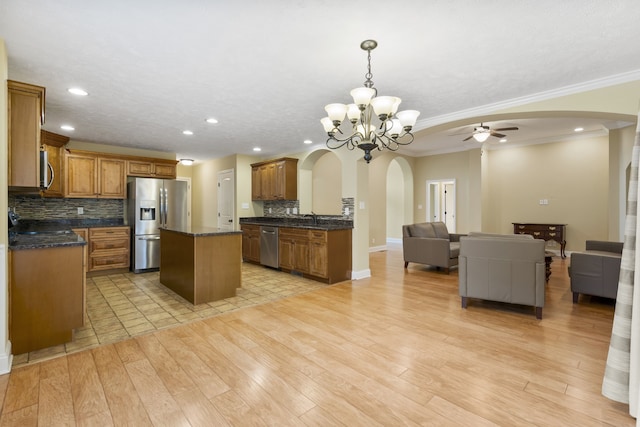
(151, 204)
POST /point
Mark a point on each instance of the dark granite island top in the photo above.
(201, 264)
(306, 222)
(201, 231)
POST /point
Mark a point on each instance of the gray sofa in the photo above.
(506, 268)
(430, 243)
(596, 271)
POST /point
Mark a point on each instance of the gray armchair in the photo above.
(506, 268)
(596, 271)
(430, 243)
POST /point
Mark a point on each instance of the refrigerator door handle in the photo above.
(149, 238)
(161, 206)
(166, 210)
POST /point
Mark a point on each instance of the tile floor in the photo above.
(120, 306)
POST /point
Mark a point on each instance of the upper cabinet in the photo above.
(275, 180)
(26, 116)
(90, 175)
(152, 168)
(54, 144)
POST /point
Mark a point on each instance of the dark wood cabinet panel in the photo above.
(556, 232)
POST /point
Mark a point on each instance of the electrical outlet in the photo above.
(295, 211)
(288, 211)
(346, 211)
(80, 211)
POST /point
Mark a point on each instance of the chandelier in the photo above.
(375, 120)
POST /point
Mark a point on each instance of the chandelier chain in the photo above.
(368, 83)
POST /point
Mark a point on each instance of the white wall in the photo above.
(5, 345)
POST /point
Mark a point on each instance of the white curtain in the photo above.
(622, 374)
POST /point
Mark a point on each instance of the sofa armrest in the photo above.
(454, 237)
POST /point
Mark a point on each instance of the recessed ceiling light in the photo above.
(503, 140)
(578, 129)
(211, 120)
(186, 162)
(308, 141)
(78, 91)
(257, 149)
(187, 132)
(67, 127)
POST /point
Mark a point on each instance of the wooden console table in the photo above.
(546, 232)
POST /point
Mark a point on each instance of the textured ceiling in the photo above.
(265, 69)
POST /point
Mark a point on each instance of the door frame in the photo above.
(436, 197)
(227, 173)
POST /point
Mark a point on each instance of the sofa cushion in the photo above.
(454, 249)
(441, 230)
(424, 229)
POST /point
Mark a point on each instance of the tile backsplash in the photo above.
(36, 207)
(279, 208)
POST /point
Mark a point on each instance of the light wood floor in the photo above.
(395, 349)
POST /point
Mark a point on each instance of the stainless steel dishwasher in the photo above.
(269, 246)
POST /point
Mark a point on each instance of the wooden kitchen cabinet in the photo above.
(293, 249)
(88, 175)
(330, 254)
(274, 180)
(25, 118)
(152, 168)
(54, 146)
(46, 297)
(109, 248)
(250, 242)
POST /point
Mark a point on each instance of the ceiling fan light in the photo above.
(481, 136)
(408, 118)
(362, 96)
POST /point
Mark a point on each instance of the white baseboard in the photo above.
(394, 240)
(362, 274)
(377, 248)
(6, 360)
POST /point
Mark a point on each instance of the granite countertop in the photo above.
(200, 231)
(39, 234)
(42, 241)
(306, 222)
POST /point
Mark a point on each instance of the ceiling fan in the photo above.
(482, 133)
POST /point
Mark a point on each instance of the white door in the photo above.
(226, 200)
(441, 202)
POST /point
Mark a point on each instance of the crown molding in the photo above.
(613, 80)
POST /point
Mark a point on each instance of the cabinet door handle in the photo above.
(552, 228)
(536, 233)
(552, 234)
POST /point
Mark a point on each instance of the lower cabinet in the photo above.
(46, 297)
(250, 242)
(320, 254)
(108, 248)
(293, 249)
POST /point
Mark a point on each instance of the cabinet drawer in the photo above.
(108, 232)
(109, 244)
(294, 232)
(318, 236)
(106, 262)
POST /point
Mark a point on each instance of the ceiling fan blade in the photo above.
(467, 138)
(497, 135)
(503, 129)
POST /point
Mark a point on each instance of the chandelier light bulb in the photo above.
(362, 96)
(353, 113)
(327, 123)
(336, 113)
(408, 118)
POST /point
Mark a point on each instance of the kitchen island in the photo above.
(201, 264)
